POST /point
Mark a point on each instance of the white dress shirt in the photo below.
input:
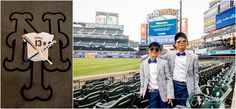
(152, 84)
(180, 69)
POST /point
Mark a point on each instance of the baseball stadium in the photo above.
(107, 63)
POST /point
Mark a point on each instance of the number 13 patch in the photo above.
(37, 45)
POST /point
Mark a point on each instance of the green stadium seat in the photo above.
(78, 92)
(211, 103)
(141, 102)
(203, 101)
(89, 100)
(114, 85)
(193, 101)
(93, 89)
(123, 102)
(212, 82)
(219, 90)
(206, 89)
(133, 88)
(114, 93)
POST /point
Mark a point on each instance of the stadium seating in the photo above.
(114, 93)
(217, 90)
(111, 31)
(223, 47)
(78, 92)
(97, 37)
(114, 85)
(77, 29)
(141, 102)
(122, 44)
(106, 43)
(208, 73)
(87, 30)
(89, 100)
(108, 92)
(95, 88)
(132, 88)
(119, 32)
(110, 44)
(99, 31)
(217, 83)
(125, 101)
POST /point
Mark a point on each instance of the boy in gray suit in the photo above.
(183, 69)
(156, 81)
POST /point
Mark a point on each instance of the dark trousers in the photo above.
(181, 93)
(155, 100)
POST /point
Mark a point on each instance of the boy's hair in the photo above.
(154, 44)
(180, 34)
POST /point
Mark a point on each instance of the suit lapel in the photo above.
(173, 55)
(158, 67)
(147, 69)
(188, 59)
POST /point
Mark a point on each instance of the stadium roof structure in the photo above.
(98, 25)
(84, 29)
(107, 13)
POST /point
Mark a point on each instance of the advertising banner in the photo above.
(169, 39)
(209, 24)
(226, 18)
(163, 27)
(185, 25)
(143, 30)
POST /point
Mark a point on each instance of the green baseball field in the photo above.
(93, 66)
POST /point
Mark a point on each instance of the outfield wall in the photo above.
(96, 55)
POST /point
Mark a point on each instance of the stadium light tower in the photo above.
(180, 27)
(147, 36)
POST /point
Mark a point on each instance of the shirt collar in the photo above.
(156, 58)
(182, 52)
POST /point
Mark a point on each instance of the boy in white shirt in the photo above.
(156, 81)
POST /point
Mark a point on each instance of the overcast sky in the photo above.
(133, 12)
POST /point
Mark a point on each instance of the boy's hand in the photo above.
(169, 101)
(141, 95)
(144, 57)
(141, 60)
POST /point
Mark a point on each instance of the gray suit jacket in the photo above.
(192, 69)
(165, 82)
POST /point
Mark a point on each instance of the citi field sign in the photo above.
(163, 27)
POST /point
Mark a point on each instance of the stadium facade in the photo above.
(219, 30)
(104, 38)
(216, 77)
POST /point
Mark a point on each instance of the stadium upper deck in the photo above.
(106, 37)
